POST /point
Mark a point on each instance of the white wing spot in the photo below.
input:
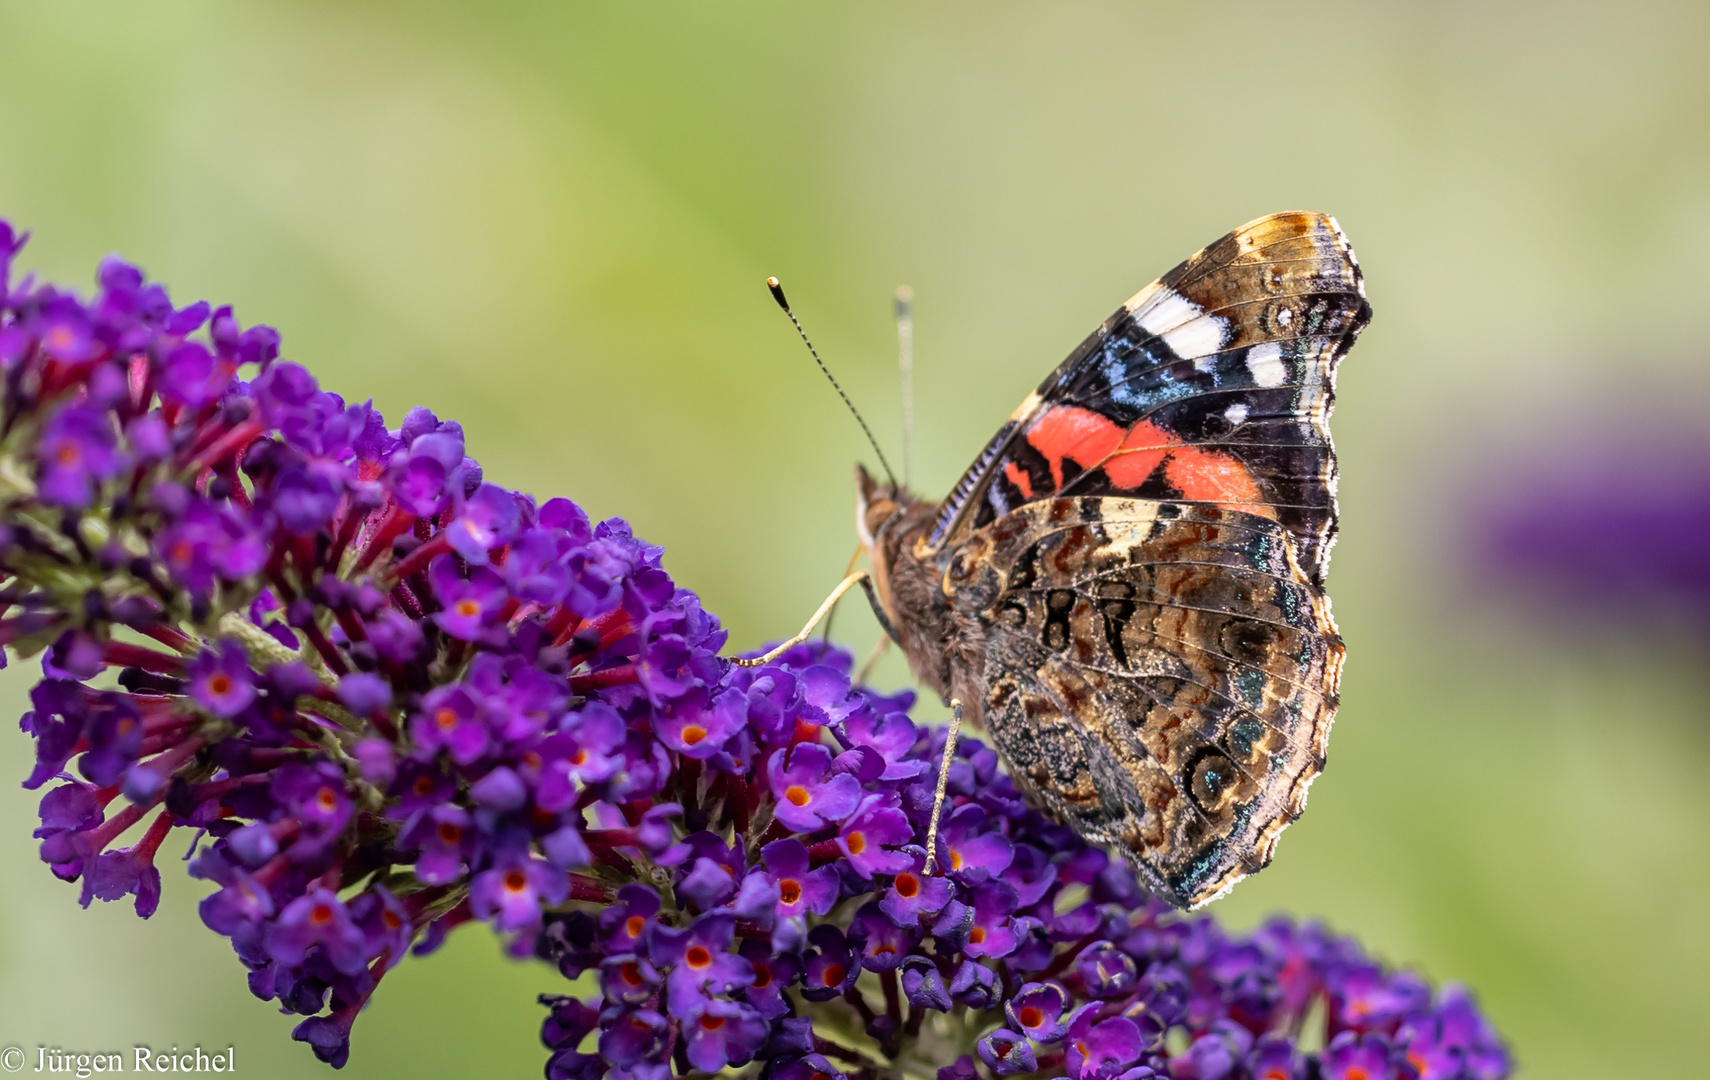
(1181, 323)
(1285, 316)
(1236, 414)
(1266, 364)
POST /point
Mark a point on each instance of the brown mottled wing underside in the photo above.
(1161, 676)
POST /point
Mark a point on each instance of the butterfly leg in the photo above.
(859, 577)
(943, 779)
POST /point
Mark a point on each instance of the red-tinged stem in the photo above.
(582, 888)
(561, 620)
(141, 383)
(238, 438)
(124, 654)
(613, 626)
(349, 525)
(406, 600)
(893, 999)
(350, 621)
(105, 795)
(599, 680)
(329, 652)
(156, 835)
(229, 471)
(396, 523)
(170, 636)
(419, 558)
(775, 831)
(689, 780)
(1067, 958)
(101, 835)
(167, 763)
(736, 795)
(826, 851)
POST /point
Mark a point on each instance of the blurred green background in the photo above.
(552, 222)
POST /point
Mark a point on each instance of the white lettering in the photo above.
(143, 1065)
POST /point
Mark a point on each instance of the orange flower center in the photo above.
(1356, 1073)
(762, 977)
(833, 974)
(633, 925)
(955, 859)
(789, 890)
(977, 935)
(320, 915)
(468, 608)
(446, 719)
(390, 918)
(908, 886)
(857, 843)
(449, 833)
(693, 734)
(424, 785)
(219, 685)
(579, 758)
(796, 794)
(327, 798)
(516, 881)
(66, 454)
(697, 957)
(1031, 1016)
(711, 1023)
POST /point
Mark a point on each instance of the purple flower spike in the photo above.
(1036, 1011)
(431, 700)
(807, 797)
(1006, 1053)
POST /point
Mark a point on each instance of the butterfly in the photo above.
(1126, 588)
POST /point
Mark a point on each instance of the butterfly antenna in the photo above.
(778, 295)
(905, 364)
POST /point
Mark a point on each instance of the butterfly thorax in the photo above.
(893, 523)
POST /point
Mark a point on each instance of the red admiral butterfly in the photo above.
(1126, 587)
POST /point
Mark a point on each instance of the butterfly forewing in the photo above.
(1212, 385)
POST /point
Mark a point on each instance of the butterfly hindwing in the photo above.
(1162, 676)
(1212, 385)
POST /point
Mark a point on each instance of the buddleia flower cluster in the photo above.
(380, 697)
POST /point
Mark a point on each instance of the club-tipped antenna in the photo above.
(905, 365)
(778, 295)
